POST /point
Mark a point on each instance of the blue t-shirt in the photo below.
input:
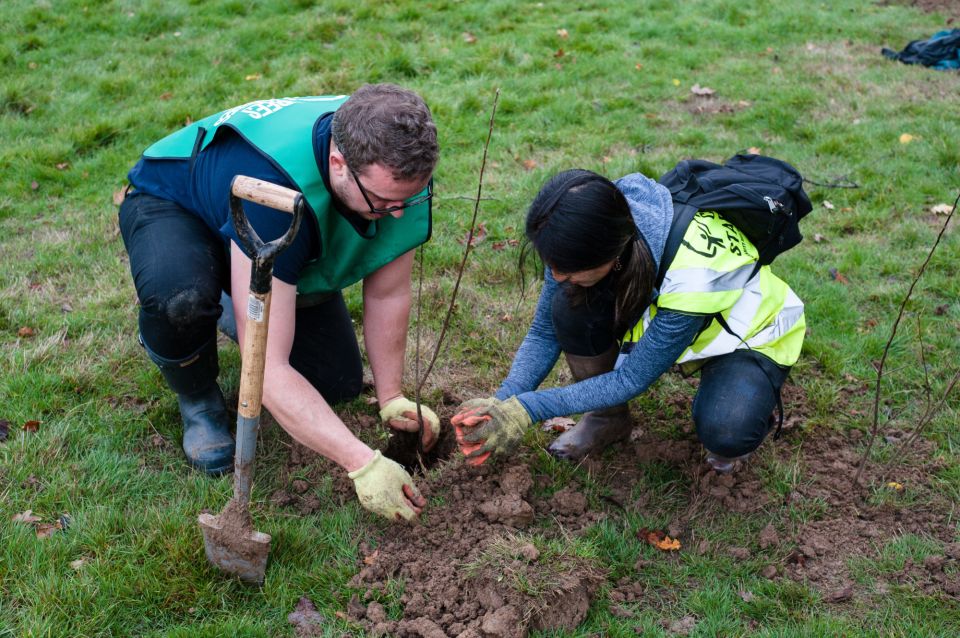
(204, 190)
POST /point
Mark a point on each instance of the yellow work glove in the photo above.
(385, 488)
(500, 434)
(401, 413)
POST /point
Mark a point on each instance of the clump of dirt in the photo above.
(476, 565)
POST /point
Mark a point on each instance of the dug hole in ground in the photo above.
(472, 570)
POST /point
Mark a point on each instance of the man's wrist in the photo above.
(358, 458)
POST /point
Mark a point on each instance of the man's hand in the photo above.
(385, 488)
(497, 429)
(400, 413)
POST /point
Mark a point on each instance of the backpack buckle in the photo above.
(774, 205)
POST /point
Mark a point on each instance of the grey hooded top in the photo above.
(665, 339)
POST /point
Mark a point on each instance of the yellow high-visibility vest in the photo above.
(714, 274)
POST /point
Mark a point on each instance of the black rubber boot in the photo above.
(207, 442)
(597, 429)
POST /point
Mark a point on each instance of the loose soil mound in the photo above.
(470, 568)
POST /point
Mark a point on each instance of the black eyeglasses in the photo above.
(407, 203)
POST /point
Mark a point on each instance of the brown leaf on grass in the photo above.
(837, 276)
(25, 332)
(253, 77)
(745, 595)
(62, 166)
(563, 33)
(941, 310)
(46, 530)
(817, 237)
(702, 91)
(4, 430)
(31, 426)
(506, 317)
(479, 234)
(468, 37)
(659, 539)
(559, 53)
(558, 424)
(78, 564)
(372, 558)
(166, 95)
(26, 517)
(529, 164)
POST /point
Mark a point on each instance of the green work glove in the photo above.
(401, 413)
(502, 433)
(481, 403)
(385, 488)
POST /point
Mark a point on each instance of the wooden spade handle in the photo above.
(266, 193)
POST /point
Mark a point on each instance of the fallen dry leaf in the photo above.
(46, 530)
(26, 517)
(659, 539)
(78, 564)
(62, 166)
(754, 150)
(941, 310)
(479, 234)
(529, 164)
(838, 276)
(559, 53)
(252, 77)
(906, 138)
(31, 426)
(638, 66)
(25, 332)
(893, 485)
(828, 205)
(372, 558)
(941, 209)
(817, 237)
(469, 38)
(563, 33)
(166, 95)
(703, 91)
(745, 596)
(558, 424)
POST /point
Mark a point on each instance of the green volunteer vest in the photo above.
(282, 130)
(713, 273)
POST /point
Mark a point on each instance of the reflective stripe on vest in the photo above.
(713, 273)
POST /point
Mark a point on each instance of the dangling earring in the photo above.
(616, 264)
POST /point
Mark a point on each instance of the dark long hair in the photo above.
(580, 220)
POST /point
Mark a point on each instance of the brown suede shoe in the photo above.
(597, 429)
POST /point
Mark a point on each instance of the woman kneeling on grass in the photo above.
(602, 243)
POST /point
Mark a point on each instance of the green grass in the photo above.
(88, 85)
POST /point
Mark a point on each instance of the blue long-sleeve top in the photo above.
(661, 345)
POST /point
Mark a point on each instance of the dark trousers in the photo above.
(179, 269)
(738, 392)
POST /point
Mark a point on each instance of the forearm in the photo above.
(385, 336)
(661, 345)
(302, 412)
(539, 351)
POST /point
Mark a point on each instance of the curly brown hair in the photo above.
(389, 125)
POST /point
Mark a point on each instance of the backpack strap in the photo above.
(682, 218)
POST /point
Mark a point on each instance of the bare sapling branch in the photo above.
(875, 425)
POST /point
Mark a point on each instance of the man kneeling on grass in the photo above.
(364, 165)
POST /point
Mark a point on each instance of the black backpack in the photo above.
(760, 195)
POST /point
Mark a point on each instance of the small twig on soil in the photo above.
(927, 390)
(466, 251)
(875, 426)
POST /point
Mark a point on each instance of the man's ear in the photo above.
(337, 163)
